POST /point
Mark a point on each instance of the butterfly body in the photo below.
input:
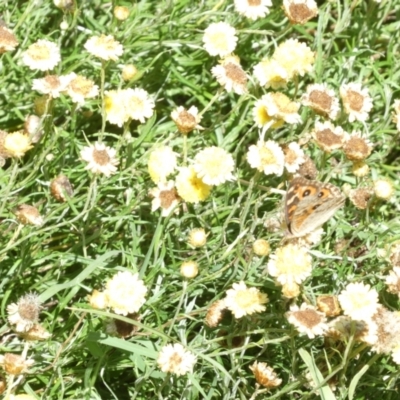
(309, 204)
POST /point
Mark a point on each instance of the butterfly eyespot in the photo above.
(320, 194)
(316, 206)
(306, 193)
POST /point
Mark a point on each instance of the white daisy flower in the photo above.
(356, 101)
(253, 9)
(220, 39)
(267, 157)
(307, 320)
(231, 75)
(173, 358)
(294, 157)
(104, 47)
(101, 159)
(42, 55)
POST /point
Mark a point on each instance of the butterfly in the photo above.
(309, 204)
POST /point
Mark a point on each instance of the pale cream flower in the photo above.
(383, 189)
(296, 57)
(197, 237)
(356, 101)
(8, 41)
(290, 290)
(129, 72)
(220, 39)
(16, 144)
(261, 247)
(294, 157)
(100, 159)
(276, 108)
(165, 197)
(230, 75)
(396, 114)
(214, 166)
(300, 11)
(360, 169)
(42, 55)
(241, 300)
(190, 187)
(329, 305)
(265, 376)
(393, 281)
(396, 354)
(80, 88)
(189, 269)
(290, 263)
(35, 333)
(270, 73)
(359, 301)
(104, 47)
(51, 84)
(28, 215)
(139, 105)
(329, 137)
(125, 292)
(25, 313)
(173, 358)
(267, 157)
(121, 13)
(307, 320)
(253, 9)
(322, 100)
(114, 105)
(186, 120)
(357, 148)
(162, 163)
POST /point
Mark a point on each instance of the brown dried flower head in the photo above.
(321, 100)
(61, 188)
(186, 120)
(329, 305)
(28, 215)
(341, 328)
(328, 137)
(37, 332)
(25, 313)
(123, 329)
(357, 148)
(8, 41)
(215, 313)
(308, 169)
(265, 376)
(229, 341)
(300, 11)
(360, 197)
(14, 364)
(387, 330)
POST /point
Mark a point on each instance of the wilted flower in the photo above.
(100, 159)
(8, 41)
(104, 47)
(321, 100)
(307, 320)
(14, 364)
(165, 197)
(173, 358)
(329, 137)
(186, 120)
(25, 313)
(28, 215)
(230, 74)
(356, 101)
(308, 169)
(360, 197)
(393, 281)
(356, 147)
(300, 11)
(52, 85)
(220, 39)
(294, 157)
(329, 305)
(241, 300)
(42, 55)
(214, 166)
(61, 188)
(125, 292)
(265, 376)
(215, 313)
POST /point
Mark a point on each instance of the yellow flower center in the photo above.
(267, 157)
